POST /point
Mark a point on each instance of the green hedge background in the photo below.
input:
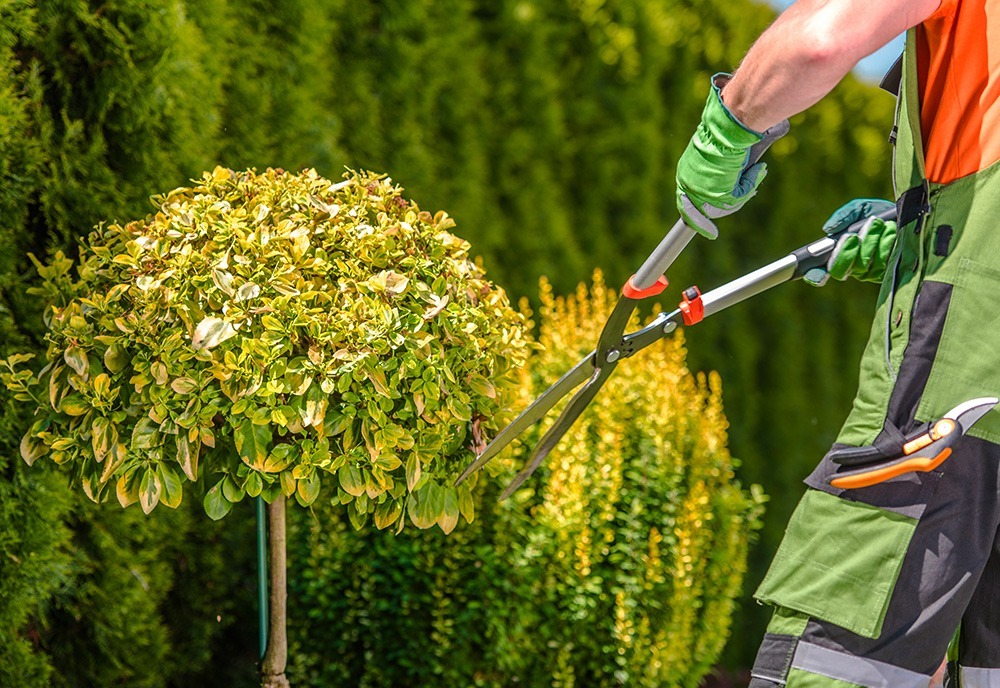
(549, 129)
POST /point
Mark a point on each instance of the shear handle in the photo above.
(681, 235)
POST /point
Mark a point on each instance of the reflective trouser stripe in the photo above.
(857, 670)
(975, 677)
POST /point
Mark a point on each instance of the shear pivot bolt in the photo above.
(613, 356)
(669, 327)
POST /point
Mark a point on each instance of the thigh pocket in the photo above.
(967, 362)
(839, 562)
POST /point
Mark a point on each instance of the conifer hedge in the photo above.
(548, 129)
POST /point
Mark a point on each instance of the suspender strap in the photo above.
(912, 204)
(893, 79)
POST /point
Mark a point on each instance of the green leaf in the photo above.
(271, 323)
(308, 489)
(253, 443)
(386, 513)
(253, 484)
(173, 490)
(77, 360)
(115, 358)
(412, 471)
(211, 332)
(461, 410)
(74, 405)
(231, 490)
(32, 448)
(216, 505)
(288, 484)
(187, 456)
(466, 506)
(149, 491)
(416, 509)
(435, 498)
(351, 480)
(145, 433)
(449, 513)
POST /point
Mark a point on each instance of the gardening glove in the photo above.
(714, 175)
(863, 254)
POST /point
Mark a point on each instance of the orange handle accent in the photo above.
(942, 428)
(631, 292)
(692, 307)
(916, 445)
(879, 475)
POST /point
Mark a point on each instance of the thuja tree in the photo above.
(273, 334)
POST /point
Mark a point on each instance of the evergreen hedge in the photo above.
(549, 130)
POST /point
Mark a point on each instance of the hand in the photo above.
(863, 254)
(714, 177)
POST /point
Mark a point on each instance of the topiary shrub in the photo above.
(271, 328)
(617, 564)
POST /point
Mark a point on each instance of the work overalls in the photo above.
(869, 585)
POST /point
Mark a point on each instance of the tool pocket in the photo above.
(967, 362)
(839, 560)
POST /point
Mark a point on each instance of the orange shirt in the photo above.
(958, 54)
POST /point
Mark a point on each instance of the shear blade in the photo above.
(533, 413)
(566, 419)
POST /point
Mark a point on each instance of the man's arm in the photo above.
(809, 49)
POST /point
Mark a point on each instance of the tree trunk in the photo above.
(272, 668)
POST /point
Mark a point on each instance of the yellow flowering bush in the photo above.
(617, 563)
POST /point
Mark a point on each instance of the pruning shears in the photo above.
(923, 450)
(614, 345)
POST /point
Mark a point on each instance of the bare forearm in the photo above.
(809, 49)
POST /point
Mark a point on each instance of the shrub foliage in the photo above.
(618, 564)
(282, 326)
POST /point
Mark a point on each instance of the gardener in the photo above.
(870, 584)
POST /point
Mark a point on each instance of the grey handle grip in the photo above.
(816, 254)
(793, 266)
(680, 235)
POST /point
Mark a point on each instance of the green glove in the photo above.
(863, 254)
(713, 175)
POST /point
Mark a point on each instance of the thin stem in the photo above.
(276, 658)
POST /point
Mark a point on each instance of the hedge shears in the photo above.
(614, 345)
